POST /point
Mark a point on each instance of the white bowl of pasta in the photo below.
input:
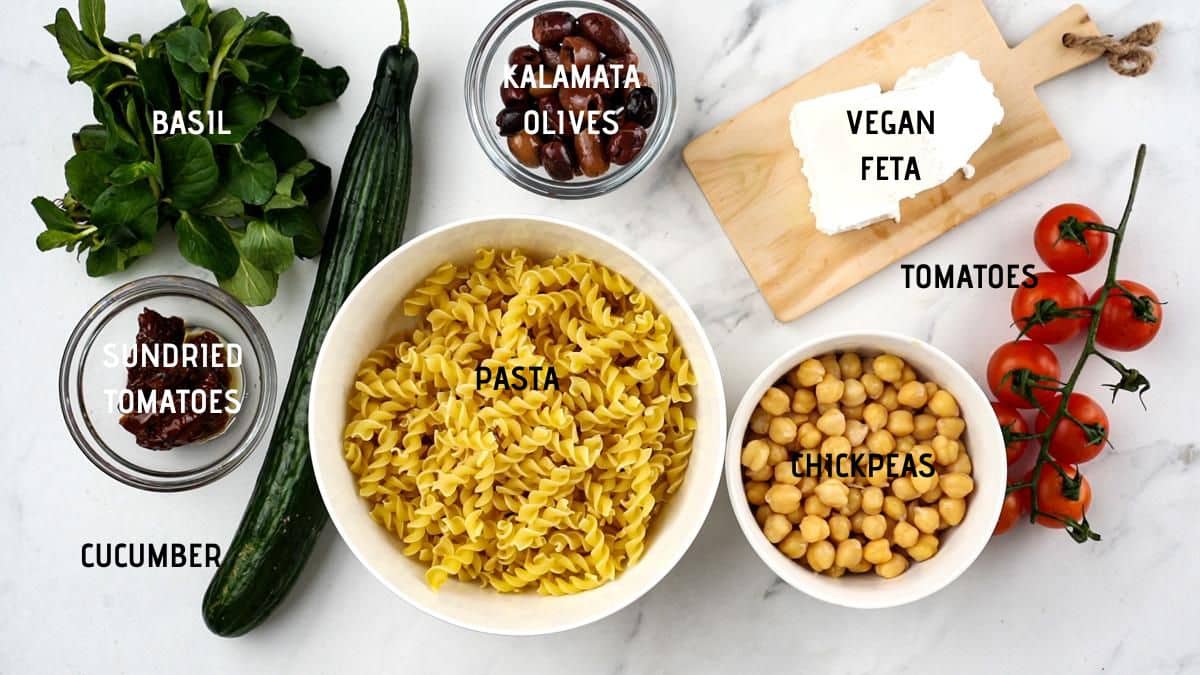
(472, 482)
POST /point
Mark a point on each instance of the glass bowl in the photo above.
(485, 73)
(91, 370)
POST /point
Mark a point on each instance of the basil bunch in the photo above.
(240, 202)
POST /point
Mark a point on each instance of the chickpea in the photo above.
(861, 567)
(785, 475)
(924, 427)
(795, 516)
(903, 488)
(872, 500)
(905, 444)
(874, 527)
(943, 404)
(777, 453)
(814, 528)
(931, 389)
(756, 492)
(933, 495)
(851, 365)
(775, 401)
(856, 432)
(833, 492)
(888, 368)
(831, 365)
(912, 394)
(960, 465)
(853, 503)
(839, 528)
(890, 398)
(783, 498)
(815, 507)
(880, 442)
(892, 568)
(760, 421)
(836, 571)
(925, 549)
(804, 401)
(877, 551)
(776, 527)
(809, 373)
(832, 423)
(900, 423)
(878, 478)
(952, 510)
(835, 445)
(849, 553)
(945, 450)
(875, 415)
(872, 384)
(893, 507)
(924, 483)
(905, 535)
(808, 436)
(761, 514)
(754, 455)
(926, 519)
(853, 412)
(830, 389)
(763, 474)
(957, 485)
(854, 393)
(782, 430)
(793, 545)
(820, 556)
(951, 427)
(856, 522)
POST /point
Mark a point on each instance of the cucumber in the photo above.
(285, 514)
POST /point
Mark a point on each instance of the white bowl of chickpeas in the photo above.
(866, 469)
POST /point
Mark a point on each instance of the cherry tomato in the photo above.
(1054, 291)
(1011, 422)
(1071, 443)
(1126, 325)
(1062, 242)
(1016, 506)
(1051, 499)
(1028, 358)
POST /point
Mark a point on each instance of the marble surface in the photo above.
(1033, 602)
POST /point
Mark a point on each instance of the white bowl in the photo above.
(371, 315)
(959, 545)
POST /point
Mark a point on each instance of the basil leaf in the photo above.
(52, 239)
(222, 205)
(284, 149)
(197, 11)
(87, 175)
(266, 248)
(74, 46)
(131, 173)
(91, 20)
(265, 38)
(104, 260)
(156, 83)
(238, 69)
(316, 184)
(251, 172)
(190, 46)
(53, 217)
(205, 241)
(89, 137)
(250, 284)
(243, 112)
(127, 211)
(315, 86)
(284, 186)
(189, 170)
(298, 224)
(272, 69)
(119, 141)
(225, 27)
(190, 82)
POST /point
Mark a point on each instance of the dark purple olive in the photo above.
(580, 100)
(515, 97)
(525, 56)
(627, 143)
(556, 161)
(604, 32)
(549, 28)
(578, 51)
(590, 152)
(510, 121)
(642, 106)
(551, 57)
(525, 146)
(549, 108)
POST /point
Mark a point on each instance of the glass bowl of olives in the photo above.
(571, 99)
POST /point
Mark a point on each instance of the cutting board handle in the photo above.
(1043, 55)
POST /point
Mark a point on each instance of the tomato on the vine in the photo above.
(1054, 498)
(1011, 423)
(1016, 367)
(1072, 443)
(1034, 308)
(1064, 242)
(1128, 324)
(1015, 506)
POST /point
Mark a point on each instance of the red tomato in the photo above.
(1051, 499)
(1071, 443)
(1064, 245)
(1054, 291)
(1016, 505)
(1011, 422)
(1126, 325)
(1027, 358)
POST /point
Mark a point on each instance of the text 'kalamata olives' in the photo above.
(549, 28)
(510, 121)
(556, 161)
(627, 143)
(604, 32)
(642, 106)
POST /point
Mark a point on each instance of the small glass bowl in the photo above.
(485, 72)
(90, 370)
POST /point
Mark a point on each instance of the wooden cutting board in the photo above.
(750, 172)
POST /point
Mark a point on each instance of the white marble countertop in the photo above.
(1033, 602)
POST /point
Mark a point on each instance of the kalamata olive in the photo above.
(578, 51)
(544, 79)
(580, 100)
(590, 151)
(548, 108)
(642, 81)
(551, 57)
(604, 32)
(515, 97)
(524, 56)
(556, 161)
(549, 28)
(524, 146)
(627, 143)
(618, 68)
(510, 121)
(642, 106)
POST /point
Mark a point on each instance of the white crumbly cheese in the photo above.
(951, 91)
